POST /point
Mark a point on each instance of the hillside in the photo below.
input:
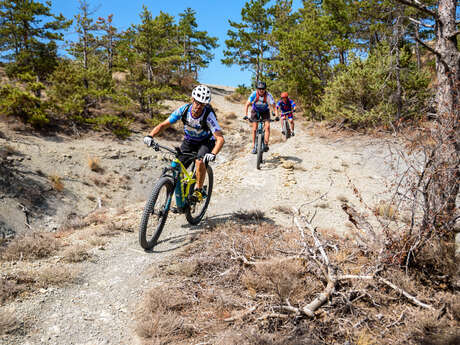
(95, 214)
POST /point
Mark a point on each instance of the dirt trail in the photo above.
(318, 173)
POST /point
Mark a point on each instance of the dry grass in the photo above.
(94, 164)
(55, 275)
(27, 280)
(238, 265)
(76, 253)
(56, 182)
(9, 289)
(283, 209)
(8, 321)
(249, 215)
(386, 210)
(231, 116)
(30, 247)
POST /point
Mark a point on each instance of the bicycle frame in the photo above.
(181, 177)
(260, 129)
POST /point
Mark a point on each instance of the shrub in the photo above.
(23, 105)
(363, 94)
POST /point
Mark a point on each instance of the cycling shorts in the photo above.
(290, 115)
(265, 115)
(201, 148)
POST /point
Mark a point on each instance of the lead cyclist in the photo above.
(202, 132)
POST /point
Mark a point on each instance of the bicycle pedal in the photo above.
(177, 210)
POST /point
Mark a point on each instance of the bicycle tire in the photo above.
(287, 129)
(194, 220)
(149, 211)
(260, 150)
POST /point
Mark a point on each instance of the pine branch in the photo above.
(420, 23)
(419, 6)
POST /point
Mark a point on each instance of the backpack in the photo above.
(203, 123)
(257, 97)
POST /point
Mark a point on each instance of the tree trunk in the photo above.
(448, 60)
(417, 46)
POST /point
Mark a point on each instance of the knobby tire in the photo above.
(260, 149)
(145, 242)
(194, 220)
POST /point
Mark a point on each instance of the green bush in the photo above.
(23, 105)
(364, 93)
(117, 125)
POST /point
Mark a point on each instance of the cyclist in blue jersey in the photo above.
(202, 131)
(261, 100)
(286, 107)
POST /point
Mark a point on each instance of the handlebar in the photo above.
(176, 151)
(262, 120)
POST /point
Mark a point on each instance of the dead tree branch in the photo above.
(325, 265)
(418, 5)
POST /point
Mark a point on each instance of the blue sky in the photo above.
(211, 15)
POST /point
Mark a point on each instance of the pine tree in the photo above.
(155, 42)
(248, 45)
(108, 40)
(196, 45)
(28, 35)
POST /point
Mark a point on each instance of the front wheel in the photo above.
(155, 212)
(287, 129)
(197, 205)
(260, 149)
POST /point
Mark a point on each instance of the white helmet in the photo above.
(202, 94)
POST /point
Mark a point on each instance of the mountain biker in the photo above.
(260, 100)
(287, 107)
(203, 134)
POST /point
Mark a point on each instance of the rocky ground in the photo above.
(316, 170)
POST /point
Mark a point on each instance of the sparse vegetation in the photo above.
(76, 253)
(30, 246)
(247, 279)
(56, 182)
(94, 164)
(8, 321)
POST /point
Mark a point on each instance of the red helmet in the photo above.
(284, 94)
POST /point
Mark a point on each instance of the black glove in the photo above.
(148, 140)
(245, 117)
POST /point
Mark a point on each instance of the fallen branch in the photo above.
(241, 315)
(406, 294)
(390, 284)
(328, 269)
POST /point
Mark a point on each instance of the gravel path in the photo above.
(318, 173)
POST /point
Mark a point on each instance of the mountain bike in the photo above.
(285, 127)
(178, 180)
(260, 139)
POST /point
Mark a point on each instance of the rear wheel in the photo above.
(260, 149)
(155, 212)
(197, 206)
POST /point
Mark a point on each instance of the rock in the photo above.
(116, 155)
(288, 165)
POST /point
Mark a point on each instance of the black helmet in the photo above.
(261, 85)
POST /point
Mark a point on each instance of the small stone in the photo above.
(288, 165)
